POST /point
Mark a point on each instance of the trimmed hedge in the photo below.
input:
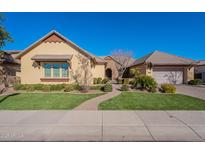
(71, 87)
(44, 87)
(168, 88)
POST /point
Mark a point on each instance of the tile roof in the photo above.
(116, 59)
(201, 62)
(99, 59)
(162, 58)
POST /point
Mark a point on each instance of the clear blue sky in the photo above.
(182, 34)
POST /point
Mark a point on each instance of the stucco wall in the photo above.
(32, 75)
(111, 64)
(98, 71)
(140, 68)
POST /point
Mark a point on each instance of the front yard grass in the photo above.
(151, 101)
(43, 101)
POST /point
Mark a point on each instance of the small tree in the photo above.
(124, 58)
(82, 75)
(4, 38)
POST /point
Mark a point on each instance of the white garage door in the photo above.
(174, 77)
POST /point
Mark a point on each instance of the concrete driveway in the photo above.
(194, 91)
(102, 125)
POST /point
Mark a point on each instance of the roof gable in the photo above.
(54, 36)
(159, 57)
(162, 58)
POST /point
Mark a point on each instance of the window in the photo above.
(47, 68)
(56, 70)
(64, 70)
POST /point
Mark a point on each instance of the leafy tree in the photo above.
(4, 39)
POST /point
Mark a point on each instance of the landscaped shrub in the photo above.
(107, 87)
(124, 87)
(195, 82)
(19, 87)
(144, 82)
(168, 88)
(126, 81)
(76, 86)
(30, 87)
(131, 81)
(120, 81)
(69, 88)
(99, 80)
(105, 80)
(46, 88)
(95, 80)
(38, 86)
(57, 87)
(97, 87)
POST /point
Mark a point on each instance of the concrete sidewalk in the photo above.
(102, 125)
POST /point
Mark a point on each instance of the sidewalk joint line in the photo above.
(172, 116)
(145, 126)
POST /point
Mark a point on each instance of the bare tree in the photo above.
(82, 75)
(124, 58)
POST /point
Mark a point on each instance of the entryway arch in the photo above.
(108, 73)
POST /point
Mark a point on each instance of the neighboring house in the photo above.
(54, 59)
(200, 70)
(9, 63)
(165, 68)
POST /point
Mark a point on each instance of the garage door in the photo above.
(174, 77)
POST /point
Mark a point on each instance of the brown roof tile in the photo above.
(162, 58)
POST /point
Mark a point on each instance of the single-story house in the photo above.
(165, 68)
(55, 59)
(200, 70)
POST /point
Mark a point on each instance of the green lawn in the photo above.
(43, 101)
(151, 101)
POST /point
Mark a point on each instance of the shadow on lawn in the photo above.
(7, 96)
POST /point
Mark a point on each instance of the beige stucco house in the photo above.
(165, 68)
(55, 59)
